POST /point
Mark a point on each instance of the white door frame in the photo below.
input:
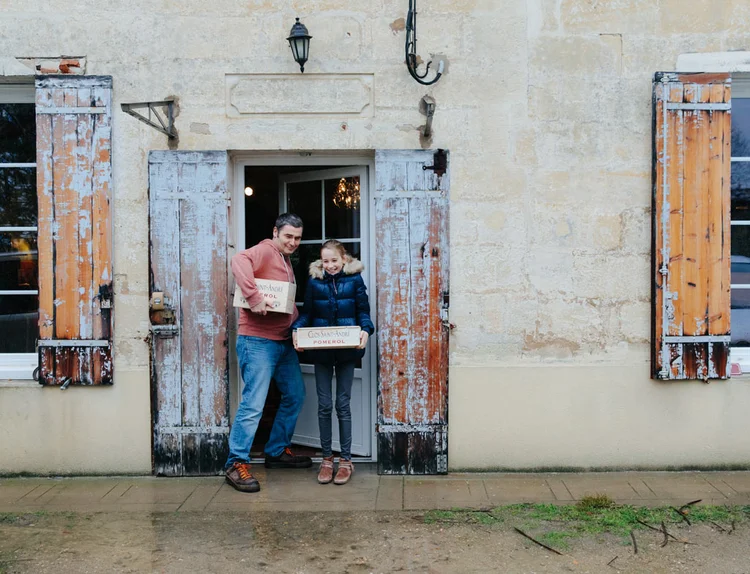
(240, 160)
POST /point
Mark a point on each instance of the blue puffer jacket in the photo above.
(336, 301)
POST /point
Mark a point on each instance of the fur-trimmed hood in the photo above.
(351, 267)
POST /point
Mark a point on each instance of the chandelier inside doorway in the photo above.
(347, 193)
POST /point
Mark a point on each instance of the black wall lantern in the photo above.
(299, 42)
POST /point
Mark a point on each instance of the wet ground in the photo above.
(356, 542)
(374, 524)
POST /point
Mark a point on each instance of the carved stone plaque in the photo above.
(292, 94)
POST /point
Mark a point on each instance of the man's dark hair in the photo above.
(290, 219)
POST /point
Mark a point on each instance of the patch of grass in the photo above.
(557, 524)
(557, 539)
(595, 502)
(21, 518)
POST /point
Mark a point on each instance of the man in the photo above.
(265, 351)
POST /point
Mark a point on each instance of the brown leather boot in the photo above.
(325, 474)
(345, 472)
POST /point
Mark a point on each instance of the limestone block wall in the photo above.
(545, 107)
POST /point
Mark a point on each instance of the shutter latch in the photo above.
(440, 165)
(105, 296)
(162, 311)
(445, 312)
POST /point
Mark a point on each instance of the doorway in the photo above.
(324, 193)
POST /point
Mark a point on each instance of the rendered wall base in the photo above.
(593, 417)
(91, 430)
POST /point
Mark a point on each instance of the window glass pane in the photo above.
(740, 245)
(17, 133)
(303, 198)
(18, 197)
(740, 317)
(301, 260)
(342, 207)
(740, 190)
(18, 261)
(354, 249)
(18, 323)
(740, 148)
(740, 300)
(740, 127)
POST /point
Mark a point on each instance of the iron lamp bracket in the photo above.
(412, 60)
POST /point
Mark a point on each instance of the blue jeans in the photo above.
(323, 383)
(260, 360)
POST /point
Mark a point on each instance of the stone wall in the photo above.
(545, 107)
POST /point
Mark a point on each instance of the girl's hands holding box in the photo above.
(363, 336)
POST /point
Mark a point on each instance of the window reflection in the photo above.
(18, 261)
(342, 216)
(303, 198)
(19, 316)
(17, 133)
(18, 203)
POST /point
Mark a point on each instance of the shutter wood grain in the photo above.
(411, 215)
(74, 173)
(188, 226)
(692, 271)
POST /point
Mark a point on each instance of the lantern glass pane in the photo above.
(295, 48)
(299, 49)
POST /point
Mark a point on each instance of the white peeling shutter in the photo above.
(188, 225)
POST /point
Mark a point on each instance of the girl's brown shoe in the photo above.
(345, 472)
(325, 474)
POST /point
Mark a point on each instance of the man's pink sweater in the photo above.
(263, 261)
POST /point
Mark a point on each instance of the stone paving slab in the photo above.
(737, 481)
(298, 490)
(390, 493)
(682, 486)
(513, 489)
(425, 494)
(616, 487)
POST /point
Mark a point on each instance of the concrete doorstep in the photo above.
(298, 490)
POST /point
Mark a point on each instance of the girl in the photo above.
(336, 296)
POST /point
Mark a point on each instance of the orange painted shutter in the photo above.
(692, 154)
(74, 175)
(411, 253)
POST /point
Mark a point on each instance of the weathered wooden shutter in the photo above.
(74, 175)
(411, 227)
(692, 152)
(188, 218)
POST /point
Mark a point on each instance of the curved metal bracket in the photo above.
(411, 50)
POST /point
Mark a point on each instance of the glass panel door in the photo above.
(332, 205)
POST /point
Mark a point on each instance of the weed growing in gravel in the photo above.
(556, 524)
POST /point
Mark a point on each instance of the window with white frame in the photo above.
(741, 222)
(19, 299)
